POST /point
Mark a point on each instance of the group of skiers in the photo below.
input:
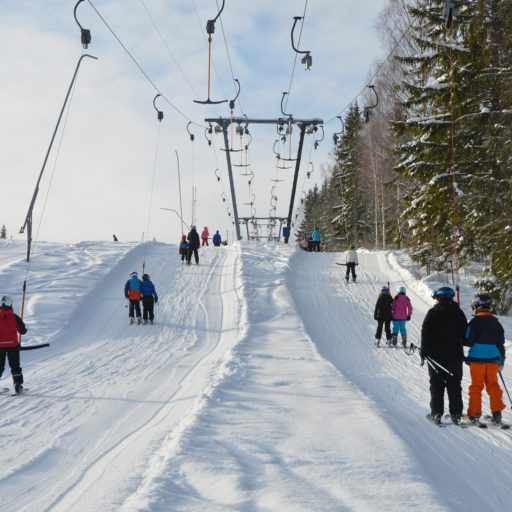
(136, 291)
(190, 244)
(444, 333)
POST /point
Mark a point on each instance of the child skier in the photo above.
(402, 311)
(10, 326)
(351, 262)
(442, 337)
(217, 239)
(204, 236)
(183, 250)
(133, 294)
(486, 339)
(149, 299)
(383, 314)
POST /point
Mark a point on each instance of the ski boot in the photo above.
(404, 342)
(131, 320)
(456, 418)
(496, 418)
(145, 322)
(475, 420)
(18, 388)
(151, 322)
(436, 417)
(139, 321)
(394, 340)
(377, 342)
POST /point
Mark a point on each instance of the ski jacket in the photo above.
(217, 239)
(10, 326)
(383, 307)
(401, 307)
(205, 234)
(147, 289)
(193, 239)
(486, 337)
(315, 235)
(443, 332)
(132, 288)
(183, 248)
(351, 256)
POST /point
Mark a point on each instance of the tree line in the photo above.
(428, 169)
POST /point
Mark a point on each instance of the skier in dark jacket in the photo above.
(149, 299)
(133, 294)
(11, 325)
(193, 245)
(217, 239)
(486, 338)
(442, 338)
(383, 314)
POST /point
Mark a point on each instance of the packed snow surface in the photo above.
(258, 388)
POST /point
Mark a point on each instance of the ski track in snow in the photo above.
(259, 388)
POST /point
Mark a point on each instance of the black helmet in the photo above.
(445, 292)
(5, 302)
(481, 301)
(145, 277)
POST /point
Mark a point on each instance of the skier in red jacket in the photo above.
(11, 326)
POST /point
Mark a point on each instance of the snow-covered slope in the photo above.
(258, 388)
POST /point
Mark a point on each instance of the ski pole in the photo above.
(431, 365)
(428, 358)
(505, 386)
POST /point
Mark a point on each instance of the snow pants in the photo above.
(134, 308)
(400, 326)
(13, 356)
(387, 326)
(196, 256)
(204, 242)
(316, 246)
(351, 267)
(148, 304)
(484, 374)
(439, 381)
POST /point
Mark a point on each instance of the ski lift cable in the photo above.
(139, 66)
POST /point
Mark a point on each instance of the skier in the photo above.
(10, 325)
(383, 314)
(149, 299)
(183, 250)
(115, 238)
(351, 261)
(486, 339)
(442, 337)
(193, 245)
(133, 294)
(315, 239)
(402, 312)
(217, 239)
(204, 237)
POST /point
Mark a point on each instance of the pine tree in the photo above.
(3, 232)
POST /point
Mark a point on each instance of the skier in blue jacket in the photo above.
(149, 299)
(315, 237)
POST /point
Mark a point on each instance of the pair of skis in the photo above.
(7, 391)
(467, 423)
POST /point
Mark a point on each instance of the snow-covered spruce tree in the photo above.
(347, 221)
(432, 88)
(3, 232)
(308, 222)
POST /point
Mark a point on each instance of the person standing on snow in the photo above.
(315, 239)
(11, 325)
(204, 236)
(133, 294)
(193, 245)
(486, 339)
(183, 249)
(383, 314)
(442, 337)
(149, 299)
(402, 311)
(217, 240)
(351, 262)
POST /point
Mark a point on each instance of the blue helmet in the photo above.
(445, 292)
(384, 289)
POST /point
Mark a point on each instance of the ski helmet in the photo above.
(145, 277)
(384, 289)
(401, 289)
(134, 274)
(193, 226)
(481, 301)
(5, 302)
(445, 292)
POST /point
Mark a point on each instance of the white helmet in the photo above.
(401, 289)
(5, 301)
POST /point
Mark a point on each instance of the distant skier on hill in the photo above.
(442, 336)
(383, 314)
(486, 338)
(183, 249)
(351, 262)
(133, 294)
(193, 245)
(316, 238)
(204, 236)
(217, 239)
(402, 312)
(149, 299)
(11, 325)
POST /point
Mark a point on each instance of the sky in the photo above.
(113, 165)
(258, 388)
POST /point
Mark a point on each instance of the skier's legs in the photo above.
(378, 334)
(396, 327)
(196, 256)
(145, 308)
(189, 255)
(3, 353)
(13, 355)
(347, 275)
(353, 269)
(476, 387)
(493, 388)
(137, 308)
(437, 385)
(402, 328)
(387, 327)
(150, 307)
(454, 388)
(130, 310)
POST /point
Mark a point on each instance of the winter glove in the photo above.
(408, 317)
